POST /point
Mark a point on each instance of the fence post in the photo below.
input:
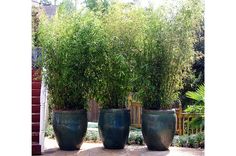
(139, 114)
(180, 120)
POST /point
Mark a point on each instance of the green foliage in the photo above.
(196, 74)
(35, 24)
(97, 5)
(92, 135)
(168, 52)
(49, 132)
(66, 7)
(70, 44)
(198, 107)
(195, 109)
(180, 141)
(193, 141)
(105, 56)
(124, 32)
(198, 95)
(135, 137)
(198, 66)
(91, 4)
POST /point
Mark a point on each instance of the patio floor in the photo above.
(96, 149)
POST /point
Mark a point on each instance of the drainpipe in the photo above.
(43, 113)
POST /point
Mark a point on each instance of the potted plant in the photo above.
(115, 79)
(70, 42)
(164, 63)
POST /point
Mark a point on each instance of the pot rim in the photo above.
(115, 110)
(69, 111)
(169, 111)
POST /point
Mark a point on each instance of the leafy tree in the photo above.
(35, 24)
(195, 76)
(66, 7)
(96, 5)
(199, 47)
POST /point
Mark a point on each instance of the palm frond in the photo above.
(197, 95)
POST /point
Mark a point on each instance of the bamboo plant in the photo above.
(168, 52)
(123, 25)
(71, 41)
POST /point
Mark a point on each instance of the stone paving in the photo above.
(96, 149)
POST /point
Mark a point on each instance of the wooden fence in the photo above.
(135, 114)
(182, 124)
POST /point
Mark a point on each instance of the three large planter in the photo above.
(113, 127)
(70, 128)
(158, 128)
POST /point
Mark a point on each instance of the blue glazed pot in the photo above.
(70, 128)
(158, 128)
(113, 127)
